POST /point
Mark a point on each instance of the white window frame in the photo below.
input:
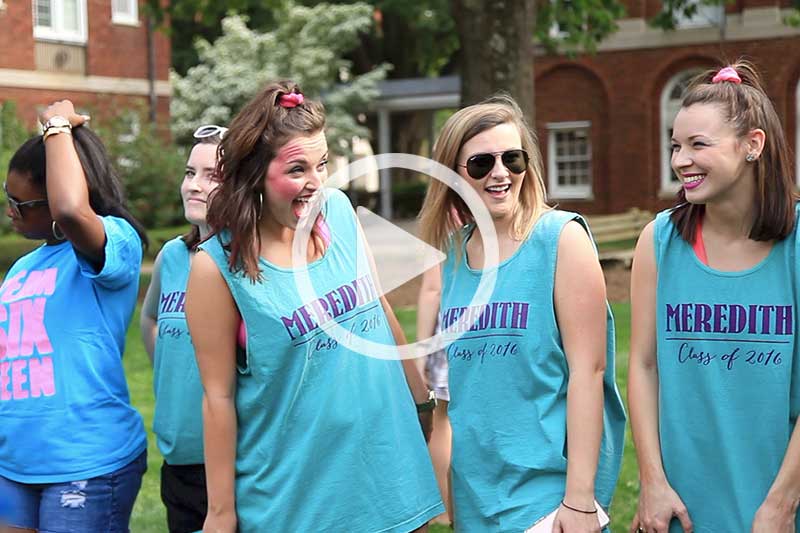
(56, 32)
(130, 17)
(577, 192)
(668, 109)
(705, 17)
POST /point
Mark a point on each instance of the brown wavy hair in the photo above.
(253, 139)
(747, 107)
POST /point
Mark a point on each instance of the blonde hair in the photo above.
(444, 211)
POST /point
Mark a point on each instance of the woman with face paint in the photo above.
(72, 449)
(714, 375)
(536, 418)
(178, 421)
(302, 433)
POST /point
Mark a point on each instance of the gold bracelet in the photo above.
(56, 130)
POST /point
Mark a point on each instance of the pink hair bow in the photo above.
(290, 100)
(727, 74)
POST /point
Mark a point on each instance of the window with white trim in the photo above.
(125, 12)
(704, 15)
(60, 20)
(569, 159)
(671, 98)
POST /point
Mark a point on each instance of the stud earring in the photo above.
(750, 158)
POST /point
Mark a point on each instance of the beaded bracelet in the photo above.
(594, 511)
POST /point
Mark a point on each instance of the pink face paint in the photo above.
(280, 181)
(294, 175)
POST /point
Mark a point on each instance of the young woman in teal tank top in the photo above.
(177, 421)
(714, 376)
(537, 421)
(302, 433)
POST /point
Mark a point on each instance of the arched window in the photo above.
(671, 98)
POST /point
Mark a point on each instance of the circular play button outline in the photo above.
(450, 178)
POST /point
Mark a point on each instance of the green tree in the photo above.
(12, 135)
(497, 40)
(193, 19)
(307, 45)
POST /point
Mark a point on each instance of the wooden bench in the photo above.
(616, 234)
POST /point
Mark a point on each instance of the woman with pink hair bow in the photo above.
(714, 378)
(302, 432)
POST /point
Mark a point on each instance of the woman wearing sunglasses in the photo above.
(72, 449)
(536, 418)
(178, 419)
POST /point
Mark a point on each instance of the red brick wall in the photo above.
(590, 103)
(100, 106)
(628, 165)
(118, 50)
(16, 36)
(112, 50)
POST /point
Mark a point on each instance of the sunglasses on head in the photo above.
(479, 165)
(16, 206)
(209, 131)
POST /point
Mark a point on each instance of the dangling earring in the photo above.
(58, 236)
(260, 205)
(750, 158)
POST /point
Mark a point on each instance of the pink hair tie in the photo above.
(727, 74)
(290, 100)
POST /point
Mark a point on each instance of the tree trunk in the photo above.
(496, 50)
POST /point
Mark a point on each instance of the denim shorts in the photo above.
(100, 504)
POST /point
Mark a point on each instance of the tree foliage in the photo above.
(573, 26)
(307, 45)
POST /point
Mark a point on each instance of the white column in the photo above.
(384, 147)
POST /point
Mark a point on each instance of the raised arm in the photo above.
(67, 191)
(148, 320)
(213, 322)
(658, 502)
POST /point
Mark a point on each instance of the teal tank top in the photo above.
(728, 378)
(328, 439)
(178, 419)
(508, 390)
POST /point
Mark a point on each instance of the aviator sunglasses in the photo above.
(479, 165)
(16, 206)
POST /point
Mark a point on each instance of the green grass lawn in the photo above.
(149, 516)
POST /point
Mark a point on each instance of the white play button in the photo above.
(399, 256)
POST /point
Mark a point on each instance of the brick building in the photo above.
(604, 120)
(94, 52)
